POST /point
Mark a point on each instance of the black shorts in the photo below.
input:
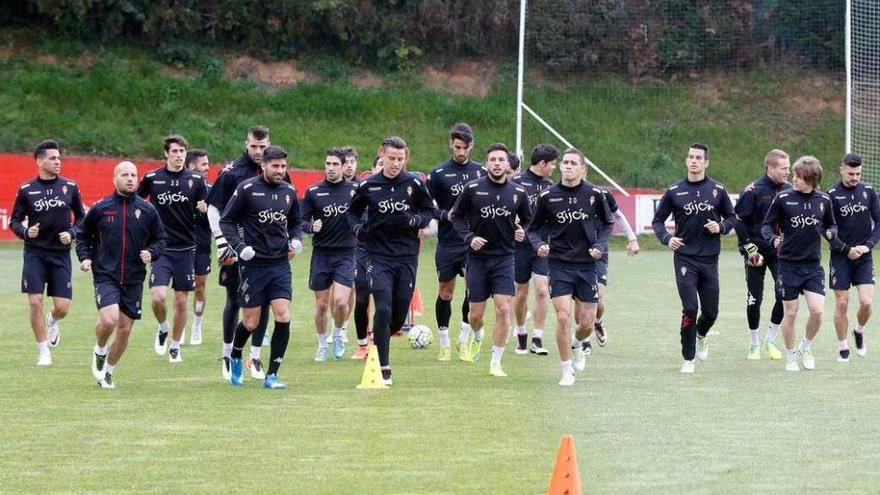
(46, 269)
(844, 273)
(263, 281)
(325, 269)
(383, 273)
(794, 280)
(578, 281)
(451, 261)
(175, 268)
(127, 296)
(526, 262)
(202, 262)
(361, 281)
(602, 271)
(489, 276)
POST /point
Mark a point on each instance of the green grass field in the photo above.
(639, 426)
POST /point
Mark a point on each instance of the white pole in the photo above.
(519, 77)
(848, 49)
(565, 142)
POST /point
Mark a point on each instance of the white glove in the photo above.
(296, 246)
(247, 253)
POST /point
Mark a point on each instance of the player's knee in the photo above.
(688, 317)
(180, 300)
(445, 293)
(107, 320)
(321, 306)
(790, 312)
(35, 301)
(817, 312)
(866, 304)
(60, 308)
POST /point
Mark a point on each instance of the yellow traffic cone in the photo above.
(372, 372)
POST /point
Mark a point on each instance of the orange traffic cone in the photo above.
(566, 479)
(416, 304)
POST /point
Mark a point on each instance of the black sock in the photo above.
(361, 313)
(240, 339)
(443, 312)
(280, 338)
(230, 315)
(465, 309)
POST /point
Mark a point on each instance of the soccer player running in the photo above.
(445, 183)
(119, 236)
(632, 249)
(331, 273)
(857, 211)
(702, 211)
(266, 211)
(197, 161)
(528, 266)
(47, 202)
(801, 217)
(178, 195)
(571, 224)
(397, 206)
(361, 284)
(245, 167)
(759, 255)
(489, 215)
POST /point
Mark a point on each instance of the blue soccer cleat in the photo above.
(272, 382)
(237, 376)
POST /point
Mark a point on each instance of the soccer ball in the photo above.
(420, 337)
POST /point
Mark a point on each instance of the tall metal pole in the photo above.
(848, 45)
(519, 78)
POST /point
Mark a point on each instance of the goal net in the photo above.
(863, 78)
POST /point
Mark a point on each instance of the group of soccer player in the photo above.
(780, 226)
(498, 228)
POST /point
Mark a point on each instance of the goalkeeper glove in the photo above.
(225, 254)
(247, 253)
(294, 247)
(753, 257)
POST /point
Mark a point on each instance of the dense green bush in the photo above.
(646, 37)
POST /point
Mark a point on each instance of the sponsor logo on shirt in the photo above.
(849, 210)
(494, 212)
(166, 198)
(45, 204)
(802, 221)
(695, 207)
(569, 216)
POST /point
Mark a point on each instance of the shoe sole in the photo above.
(521, 352)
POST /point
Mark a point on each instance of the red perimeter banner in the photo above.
(95, 179)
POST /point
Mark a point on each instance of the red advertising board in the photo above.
(95, 179)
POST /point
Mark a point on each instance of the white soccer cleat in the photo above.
(53, 331)
(255, 367)
(578, 358)
(195, 337)
(98, 363)
(496, 371)
(703, 348)
(226, 368)
(44, 360)
(174, 356)
(567, 379)
(791, 365)
(688, 367)
(807, 359)
(106, 381)
(160, 344)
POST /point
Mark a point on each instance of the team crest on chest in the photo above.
(137, 213)
(352, 193)
(822, 207)
(864, 194)
(409, 190)
(287, 198)
(190, 183)
(64, 190)
(714, 193)
(515, 197)
(592, 200)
